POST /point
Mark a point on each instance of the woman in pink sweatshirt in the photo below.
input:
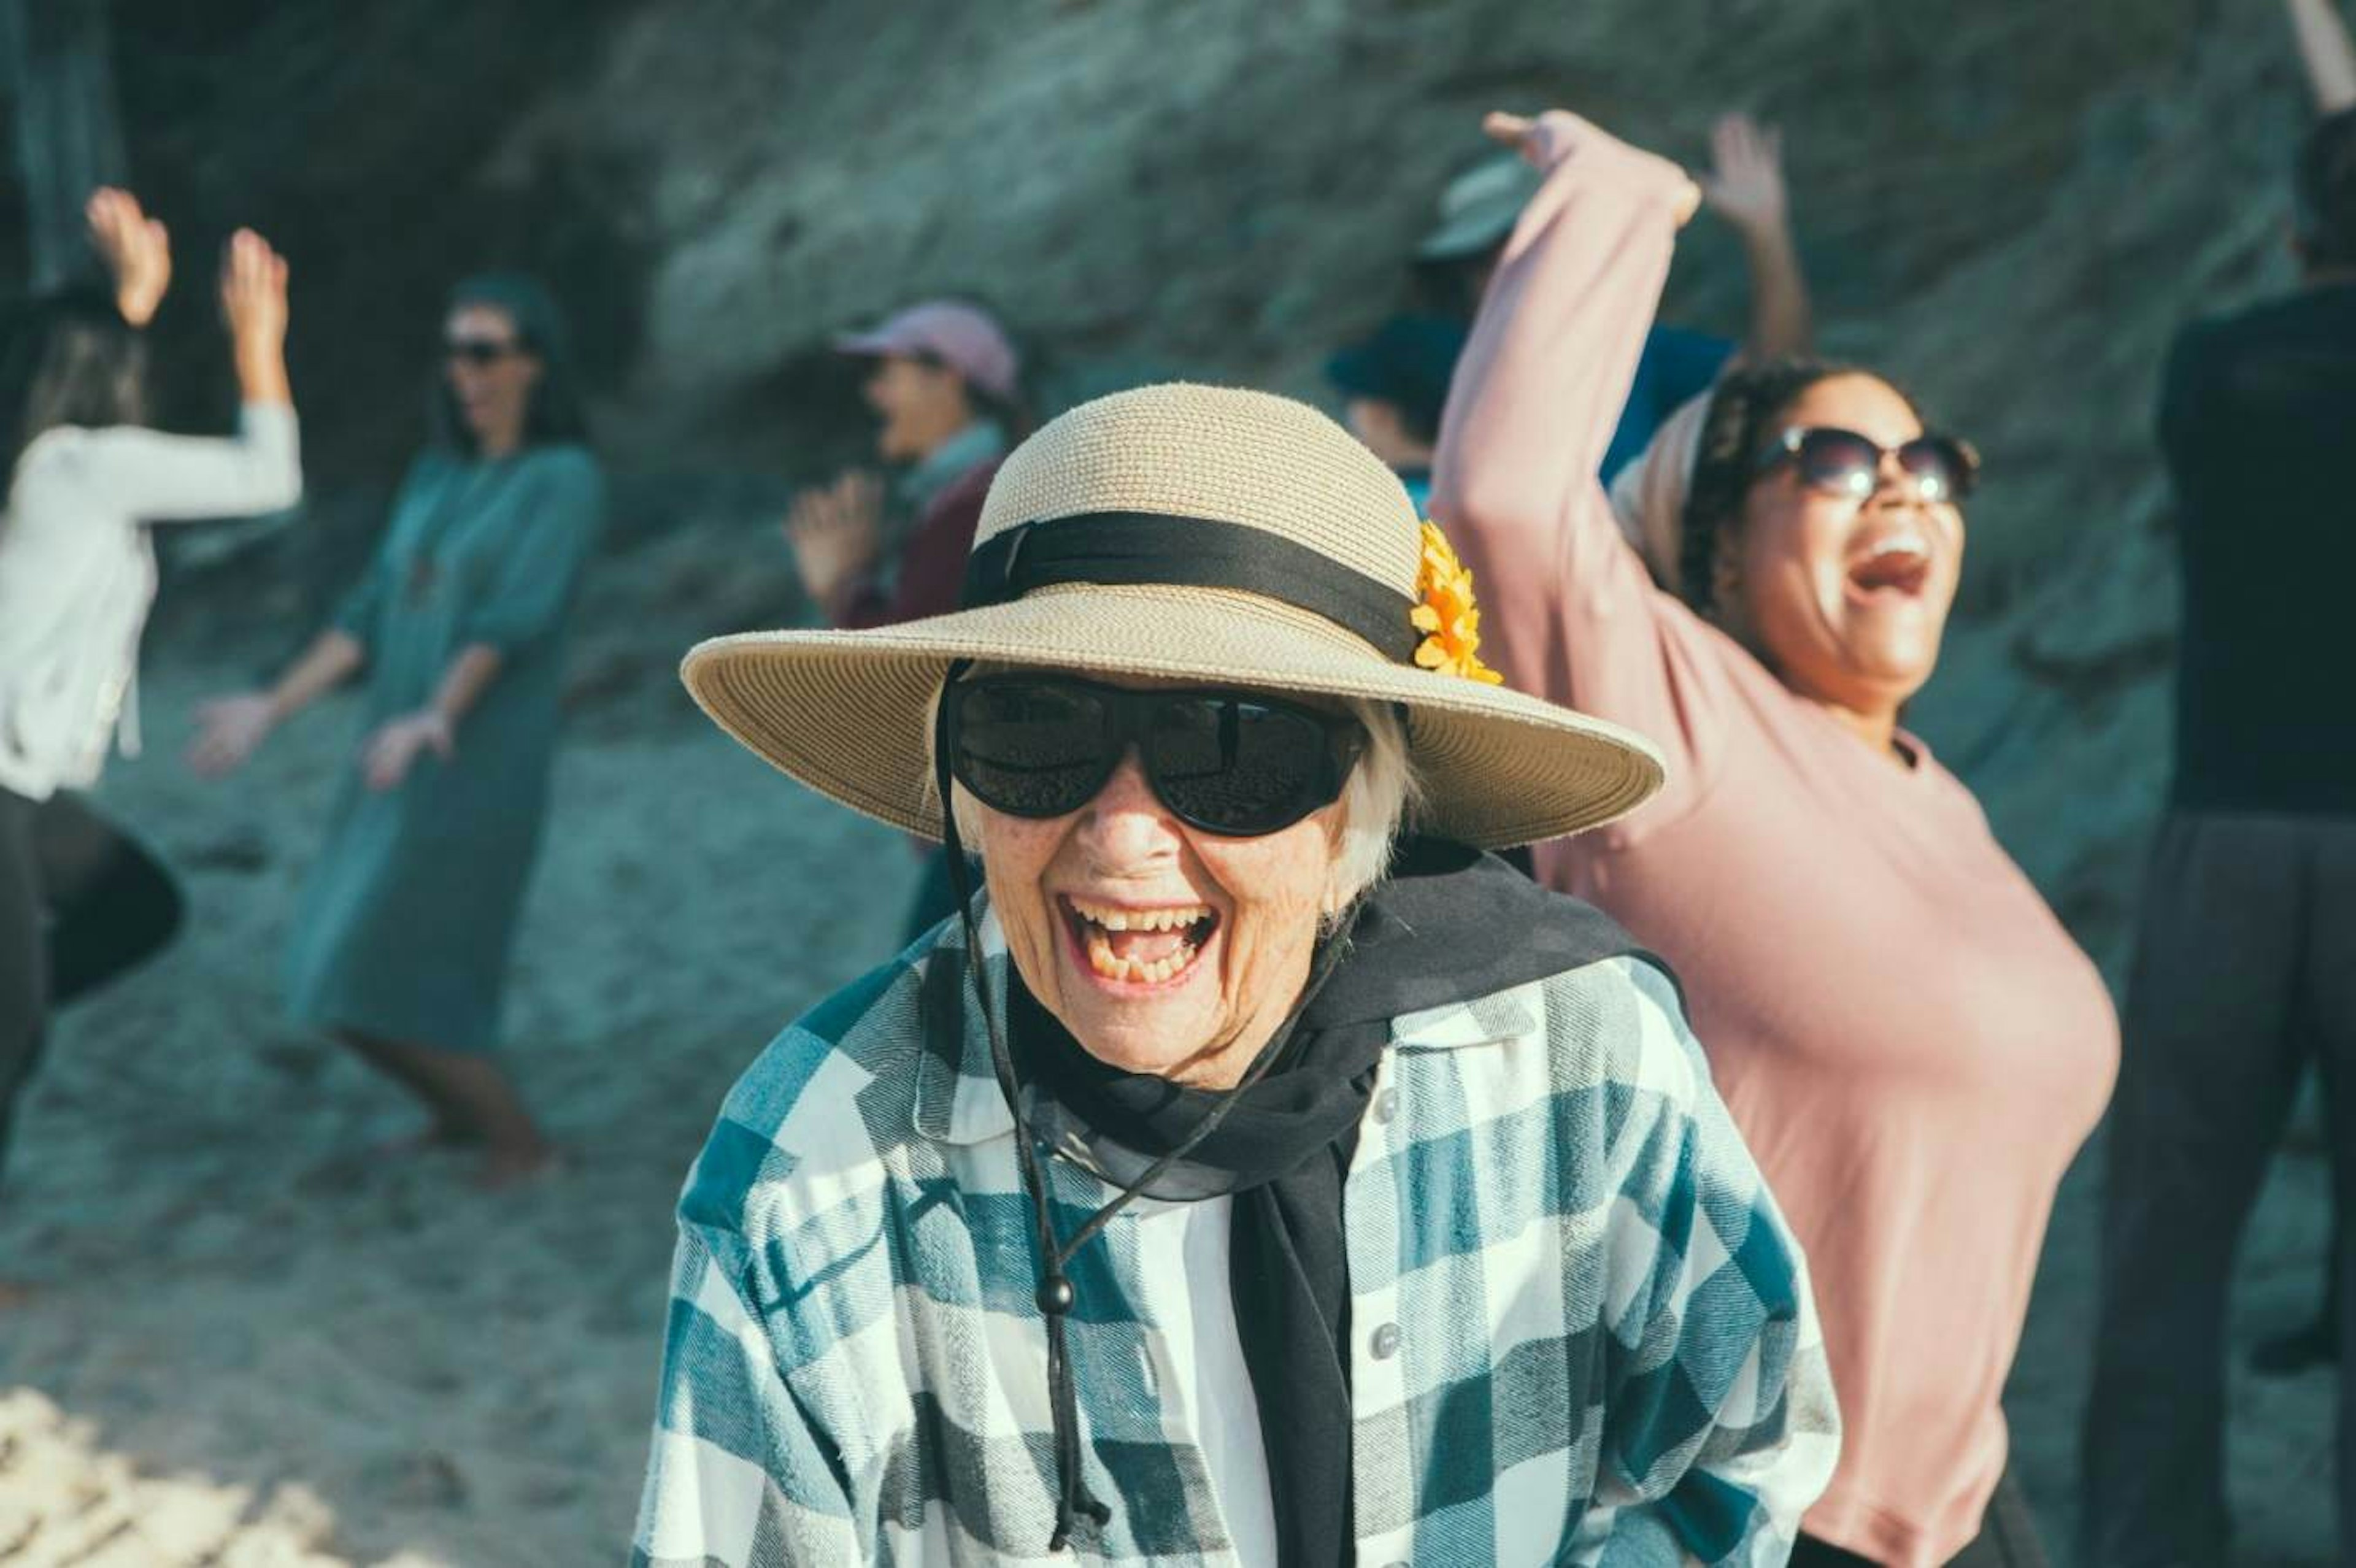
(1910, 1041)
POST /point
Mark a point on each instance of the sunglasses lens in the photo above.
(1231, 766)
(1031, 748)
(1937, 465)
(1839, 462)
(474, 351)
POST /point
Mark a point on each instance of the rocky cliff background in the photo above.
(2010, 204)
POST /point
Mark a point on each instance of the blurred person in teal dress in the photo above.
(399, 947)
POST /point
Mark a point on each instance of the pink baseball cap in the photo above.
(959, 336)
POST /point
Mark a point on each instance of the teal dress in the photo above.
(405, 927)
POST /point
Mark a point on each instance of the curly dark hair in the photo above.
(2325, 184)
(1744, 412)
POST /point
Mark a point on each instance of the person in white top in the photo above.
(77, 572)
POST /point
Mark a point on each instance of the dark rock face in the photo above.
(2009, 206)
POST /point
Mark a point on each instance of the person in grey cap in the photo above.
(1744, 186)
(947, 386)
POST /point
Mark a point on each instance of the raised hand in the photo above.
(253, 290)
(836, 533)
(136, 250)
(1549, 138)
(1744, 184)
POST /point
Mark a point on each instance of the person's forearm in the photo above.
(327, 663)
(262, 372)
(1783, 320)
(476, 666)
(1542, 381)
(2325, 51)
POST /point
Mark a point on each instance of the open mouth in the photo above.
(1896, 564)
(1132, 946)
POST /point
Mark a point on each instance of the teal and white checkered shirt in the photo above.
(1581, 1333)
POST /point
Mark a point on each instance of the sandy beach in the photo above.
(255, 1344)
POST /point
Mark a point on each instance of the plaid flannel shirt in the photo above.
(1580, 1330)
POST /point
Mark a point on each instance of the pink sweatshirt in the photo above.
(1911, 1044)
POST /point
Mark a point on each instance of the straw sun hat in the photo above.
(1217, 536)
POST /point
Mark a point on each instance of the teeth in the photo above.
(1132, 971)
(1112, 919)
(1899, 544)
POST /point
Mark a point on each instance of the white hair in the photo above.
(1382, 792)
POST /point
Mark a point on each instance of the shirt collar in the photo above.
(957, 1099)
(977, 442)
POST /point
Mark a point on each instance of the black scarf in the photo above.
(1428, 936)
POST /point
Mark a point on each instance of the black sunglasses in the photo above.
(1236, 763)
(479, 351)
(1843, 462)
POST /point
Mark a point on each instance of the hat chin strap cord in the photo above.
(1057, 1294)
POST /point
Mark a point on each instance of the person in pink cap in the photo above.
(946, 384)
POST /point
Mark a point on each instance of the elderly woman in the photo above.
(1202, 1194)
(1910, 1041)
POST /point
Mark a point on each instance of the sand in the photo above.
(256, 1345)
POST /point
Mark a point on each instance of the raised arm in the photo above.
(1745, 187)
(1546, 373)
(168, 478)
(1567, 611)
(230, 728)
(2328, 55)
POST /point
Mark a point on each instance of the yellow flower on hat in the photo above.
(1446, 614)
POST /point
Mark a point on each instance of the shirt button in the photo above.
(1386, 1106)
(1385, 1343)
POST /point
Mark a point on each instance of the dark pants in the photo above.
(2008, 1539)
(80, 902)
(2245, 965)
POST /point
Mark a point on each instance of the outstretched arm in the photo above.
(230, 728)
(1745, 187)
(2328, 55)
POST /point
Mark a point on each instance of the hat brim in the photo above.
(869, 345)
(847, 713)
(1469, 235)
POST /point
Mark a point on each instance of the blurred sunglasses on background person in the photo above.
(478, 351)
(1843, 462)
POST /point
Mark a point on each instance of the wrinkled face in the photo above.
(1845, 600)
(921, 405)
(490, 373)
(1164, 949)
